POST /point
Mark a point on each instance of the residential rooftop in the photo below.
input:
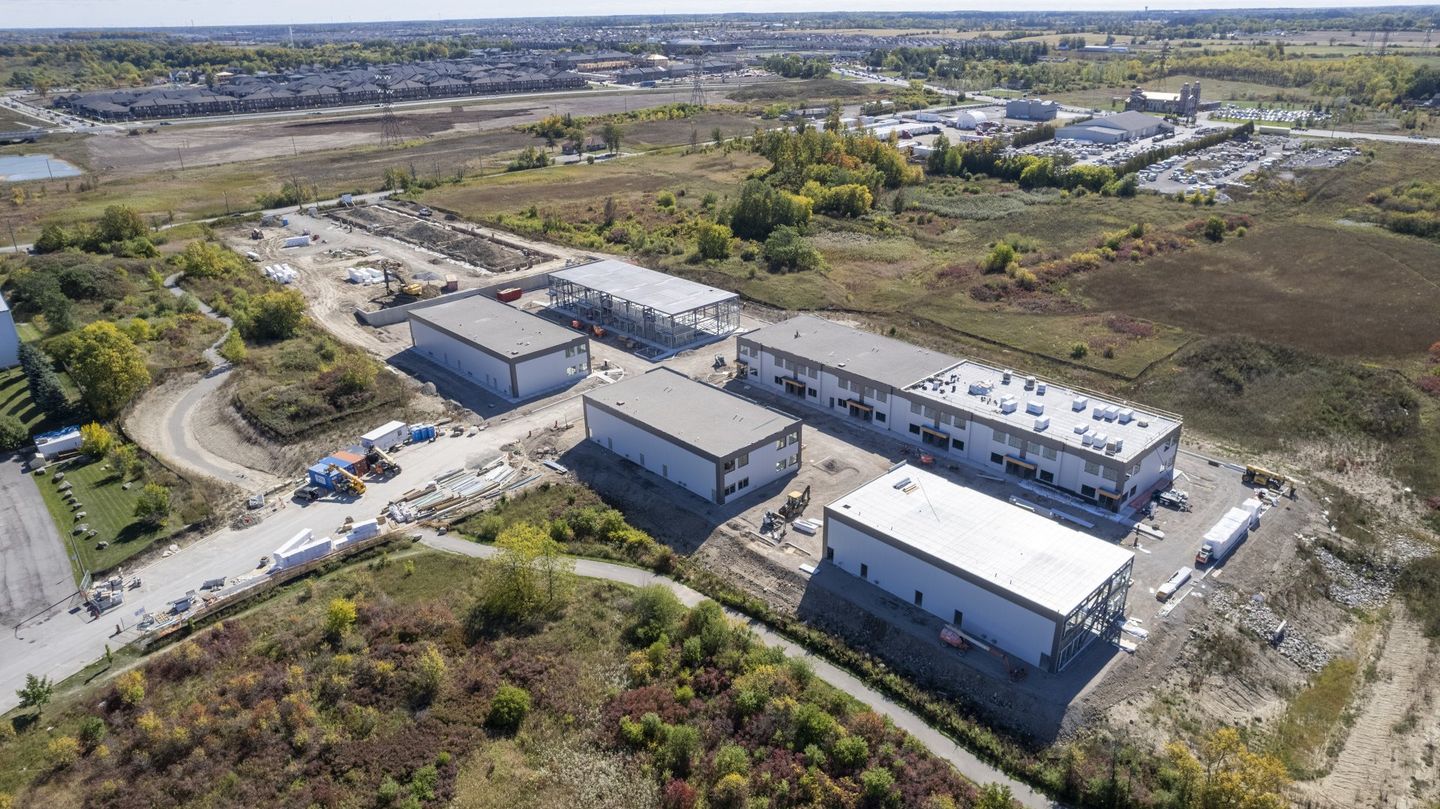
(1079, 419)
(501, 328)
(663, 293)
(872, 356)
(699, 415)
(987, 539)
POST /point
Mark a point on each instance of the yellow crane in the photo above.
(354, 483)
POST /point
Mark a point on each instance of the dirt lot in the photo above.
(457, 241)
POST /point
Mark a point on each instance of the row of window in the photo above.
(787, 462)
(865, 391)
(575, 350)
(742, 483)
(787, 440)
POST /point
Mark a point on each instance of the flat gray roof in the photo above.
(1077, 419)
(500, 328)
(883, 359)
(663, 293)
(699, 415)
(990, 540)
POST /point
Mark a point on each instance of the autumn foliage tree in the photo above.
(108, 367)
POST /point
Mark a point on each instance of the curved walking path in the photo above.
(173, 435)
(965, 762)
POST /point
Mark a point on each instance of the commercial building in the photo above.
(1031, 109)
(1107, 451)
(9, 337)
(1184, 103)
(711, 443)
(662, 311)
(1006, 576)
(511, 353)
(1117, 128)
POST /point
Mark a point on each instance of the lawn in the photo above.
(15, 401)
(109, 508)
(1210, 89)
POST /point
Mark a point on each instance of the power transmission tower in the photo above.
(697, 85)
(390, 134)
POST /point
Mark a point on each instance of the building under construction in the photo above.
(666, 313)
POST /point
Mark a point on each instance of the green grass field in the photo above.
(109, 508)
(15, 401)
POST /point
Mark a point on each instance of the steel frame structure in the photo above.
(671, 332)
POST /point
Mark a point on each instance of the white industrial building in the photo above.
(9, 337)
(664, 312)
(970, 119)
(1031, 109)
(1117, 128)
(1003, 575)
(511, 353)
(711, 443)
(1106, 451)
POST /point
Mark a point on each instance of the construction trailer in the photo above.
(711, 443)
(1040, 591)
(55, 443)
(387, 436)
(664, 312)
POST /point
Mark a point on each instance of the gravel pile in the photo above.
(1255, 615)
(1351, 586)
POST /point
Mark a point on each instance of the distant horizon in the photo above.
(128, 14)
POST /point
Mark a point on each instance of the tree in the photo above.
(612, 134)
(339, 618)
(209, 260)
(995, 796)
(527, 577)
(13, 434)
(96, 440)
(119, 223)
(761, 208)
(714, 241)
(108, 367)
(1226, 773)
(232, 348)
(1079, 351)
(730, 791)
(509, 708)
(130, 687)
(153, 506)
(717, 136)
(678, 748)
(36, 693)
(851, 751)
(126, 460)
(53, 239)
(275, 315)
(786, 249)
(45, 388)
(1215, 229)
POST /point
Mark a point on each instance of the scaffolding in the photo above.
(1098, 617)
(662, 311)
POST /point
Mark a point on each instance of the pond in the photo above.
(15, 168)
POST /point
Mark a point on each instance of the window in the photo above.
(1092, 468)
(916, 408)
(779, 380)
(785, 463)
(957, 444)
(730, 489)
(919, 598)
(879, 416)
(742, 483)
(813, 393)
(915, 428)
(1088, 491)
(1016, 441)
(1048, 452)
(996, 457)
(1046, 476)
(1032, 448)
(864, 571)
(959, 619)
(1110, 474)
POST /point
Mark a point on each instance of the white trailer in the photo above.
(1173, 584)
(387, 436)
(1222, 538)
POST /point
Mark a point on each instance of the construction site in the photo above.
(458, 241)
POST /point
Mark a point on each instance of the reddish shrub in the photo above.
(1430, 384)
(679, 795)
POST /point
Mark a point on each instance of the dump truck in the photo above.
(1260, 476)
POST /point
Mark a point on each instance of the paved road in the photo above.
(938, 743)
(34, 567)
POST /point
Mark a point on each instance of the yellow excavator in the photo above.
(355, 485)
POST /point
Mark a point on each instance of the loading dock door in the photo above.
(934, 438)
(795, 387)
(860, 410)
(1020, 467)
(1112, 499)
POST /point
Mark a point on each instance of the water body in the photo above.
(15, 168)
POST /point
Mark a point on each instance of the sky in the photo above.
(150, 13)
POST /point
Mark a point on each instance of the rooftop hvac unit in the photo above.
(1042, 422)
(902, 483)
(1081, 429)
(1029, 382)
(1111, 411)
(982, 388)
(1086, 438)
(1126, 415)
(1119, 444)
(1008, 404)
(1005, 377)
(1080, 403)
(1143, 423)
(1040, 389)
(1035, 408)
(1099, 439)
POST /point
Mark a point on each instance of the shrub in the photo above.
(656, 614)
(678, 748)
(714, 242)
(877, 784)
(339, 618)
(13, 434)
(679, 795)
(232, 349)
(130, 687)
(153, 506)
(1215, 229)
(92, 732)
(730, 792)
(1079, 351)
(665, 199)
(786, 249)
(273, 316)
(62, 751)
(95, 440)
(509, 708)
(1001, 256)
(732, 758)
(851, 751)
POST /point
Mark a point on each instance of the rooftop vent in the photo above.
(1042, 423)
(1080, 403)
(982, 388)
(1081, 429)
(1125, 415)
(1040, 389)
(902, 483)
(1035, 408)
(1029, 382)
(1005, 376)
(1111, 411)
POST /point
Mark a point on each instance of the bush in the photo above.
(656, 614)
(62, 751)
(730, 792)
(273, 316)
(851, 751)
(678, 748)
(1079, 351)
(877, 784)
(665, 199)
(95, 440)
(1215, 229)
(339, 618)
(13, 434)
(153, 507)
(787, 250)
(731, 758)
(714, 242)
(509, 708)
(130, 687)
(92, 732)
(232, 349)
(1001, 256)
